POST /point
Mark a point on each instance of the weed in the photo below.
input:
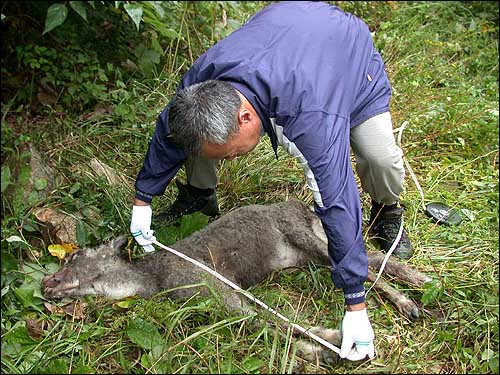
(442, 59)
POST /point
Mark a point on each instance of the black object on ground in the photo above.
(443, 214)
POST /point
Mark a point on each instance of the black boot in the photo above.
(385, 222)
(190, 200)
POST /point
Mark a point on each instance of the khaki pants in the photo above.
(379, 161)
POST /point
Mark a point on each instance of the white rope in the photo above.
(386, 258)
(262, 304)
(407, 165)
(249, 296)
(400, 232)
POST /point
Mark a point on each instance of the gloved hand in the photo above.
(140, 226)
(357, 330)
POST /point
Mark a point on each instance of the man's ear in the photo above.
(244, 116)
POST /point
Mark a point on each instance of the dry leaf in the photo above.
(392, 4)
(53, 309)
(103, 170)
(75, 309)
(61, 227)
(44, 214)
(35, 327)
(46, 98)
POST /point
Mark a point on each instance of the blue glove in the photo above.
(140, 226)
(357, 331)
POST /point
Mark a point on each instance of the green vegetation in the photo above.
(88, 81)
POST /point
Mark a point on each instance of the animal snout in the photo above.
(51, 281)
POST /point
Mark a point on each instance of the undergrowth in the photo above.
(442, 60)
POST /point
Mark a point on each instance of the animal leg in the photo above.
(398, 269)
(316, 353)
(405, 306)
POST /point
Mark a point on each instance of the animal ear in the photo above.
(117, 243)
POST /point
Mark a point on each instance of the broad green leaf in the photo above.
(33, 197)
(199, 342)
(30, 227)
(56, 366)
(40, 183)
(227, 367)
(76, 186)
(34, 273)
(18, 335)
(79, 7)
(5, 289)
(191, 223)
(81, 234)
(156, 45)
(148, 59)
(9, 262)
(145, 361)
(135, 12)
(126, 303)
(156, 5)
(24, 175)
(167, 33)
(487, 354)
(84, 370)
(5, 178)
(144, 334)
(432, 292)
(252, 364)
(56, 15)
(493, 365)
(25, 296)
(102, 76)
(160, 27)
(122, 109)
(16, 239)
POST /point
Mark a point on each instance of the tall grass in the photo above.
(442, 59)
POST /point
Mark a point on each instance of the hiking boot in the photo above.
(385, 222)
(188, 202)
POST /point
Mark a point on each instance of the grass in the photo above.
(442, 59)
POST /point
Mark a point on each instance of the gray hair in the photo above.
(204, 112)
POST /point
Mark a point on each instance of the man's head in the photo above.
(214, 120)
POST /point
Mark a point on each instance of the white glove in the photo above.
(140, 226)
(357, 330)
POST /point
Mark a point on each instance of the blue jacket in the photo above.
(311, 72)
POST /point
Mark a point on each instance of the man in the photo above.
(307, 75)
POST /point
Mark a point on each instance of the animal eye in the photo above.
(71, 256)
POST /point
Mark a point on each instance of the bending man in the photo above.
(307, 75)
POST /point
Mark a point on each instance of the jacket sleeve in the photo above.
(322, 141)
(161, 163)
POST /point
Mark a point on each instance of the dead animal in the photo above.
(245, 245)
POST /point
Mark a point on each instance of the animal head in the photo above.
(85, 271)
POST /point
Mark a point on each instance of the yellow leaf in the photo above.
(69, 247)
(127, 302)
(61, 251)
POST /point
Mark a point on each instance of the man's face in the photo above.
(244, 141)
(239, 144)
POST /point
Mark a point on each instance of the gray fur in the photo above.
(244, 245)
